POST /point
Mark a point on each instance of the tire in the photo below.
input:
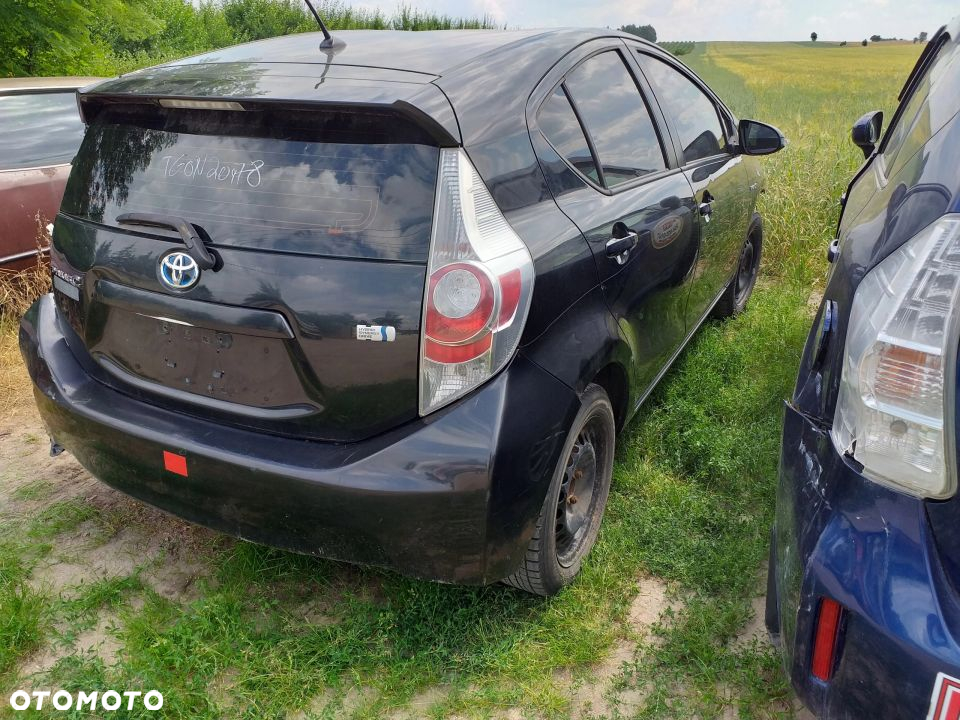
(565, 534)
(735, 298)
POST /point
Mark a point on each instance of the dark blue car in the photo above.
(865, 562)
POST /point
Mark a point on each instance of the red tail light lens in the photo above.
(460, 304)
(825, 639)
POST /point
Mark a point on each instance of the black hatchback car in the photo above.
(390, 301)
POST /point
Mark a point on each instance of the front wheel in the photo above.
(571, 514)
(735, 297)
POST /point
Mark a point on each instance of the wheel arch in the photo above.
(585, 346)
(613, 379)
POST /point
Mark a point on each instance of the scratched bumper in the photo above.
(839, 535)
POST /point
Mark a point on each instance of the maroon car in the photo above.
(40, 131)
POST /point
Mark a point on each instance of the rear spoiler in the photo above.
(251, 88)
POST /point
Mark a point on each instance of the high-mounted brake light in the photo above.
(478, 289)
(897, 393)
(200, 104)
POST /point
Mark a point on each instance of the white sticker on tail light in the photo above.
(945, 700)
(478, 288)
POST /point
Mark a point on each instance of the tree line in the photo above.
(649, 32)
(107, 37)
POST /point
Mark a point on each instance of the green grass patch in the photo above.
(21, 612)
(61, 517)
(34, 490)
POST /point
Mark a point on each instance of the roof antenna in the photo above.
(328, 41)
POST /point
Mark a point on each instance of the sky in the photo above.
(713, 19)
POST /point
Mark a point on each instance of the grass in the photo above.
(17, 292)
(21, 611)
(269, 633)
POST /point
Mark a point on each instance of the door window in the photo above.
(559, 124)
(616, 117)
(693, 112)
(38, 129)
(914, 122)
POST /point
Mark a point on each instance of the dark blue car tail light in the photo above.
(825, 639)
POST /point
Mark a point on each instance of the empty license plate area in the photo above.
(226, 366)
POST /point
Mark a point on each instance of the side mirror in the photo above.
(866, 132)
(757, 138)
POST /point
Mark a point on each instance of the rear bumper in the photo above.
(871, 549)
(453, 497)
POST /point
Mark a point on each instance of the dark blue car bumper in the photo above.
(840, 536)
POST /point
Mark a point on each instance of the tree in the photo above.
(647, 32)
(68, 37)
(922, 37)
(813, 37)
(864, 43)
(843, 44)
(875, 38)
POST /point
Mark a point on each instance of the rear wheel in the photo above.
(735, 297)
(571, 514)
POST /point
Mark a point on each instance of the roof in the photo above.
(429, 52)
(29, 84)
(450, 77)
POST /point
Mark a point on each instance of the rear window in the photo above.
(38, 129)
(334, 184)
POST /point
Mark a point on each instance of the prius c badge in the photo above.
(179, 271)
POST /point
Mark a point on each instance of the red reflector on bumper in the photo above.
(825, 641)
(175, 463)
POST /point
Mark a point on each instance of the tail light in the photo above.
(478, 289)
(896, 405)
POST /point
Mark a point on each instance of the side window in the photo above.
(913, 124)
(38, 129)
(560, 126)
(693, 112)
(614, 114)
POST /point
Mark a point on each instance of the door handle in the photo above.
(195, 247)
(619, 248)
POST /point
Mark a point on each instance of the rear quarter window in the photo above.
(38, 129)
(290, 182)
(560, 126)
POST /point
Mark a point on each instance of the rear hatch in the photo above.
(319, 221)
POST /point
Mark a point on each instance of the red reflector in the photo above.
(175, 463)
(825, 642)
